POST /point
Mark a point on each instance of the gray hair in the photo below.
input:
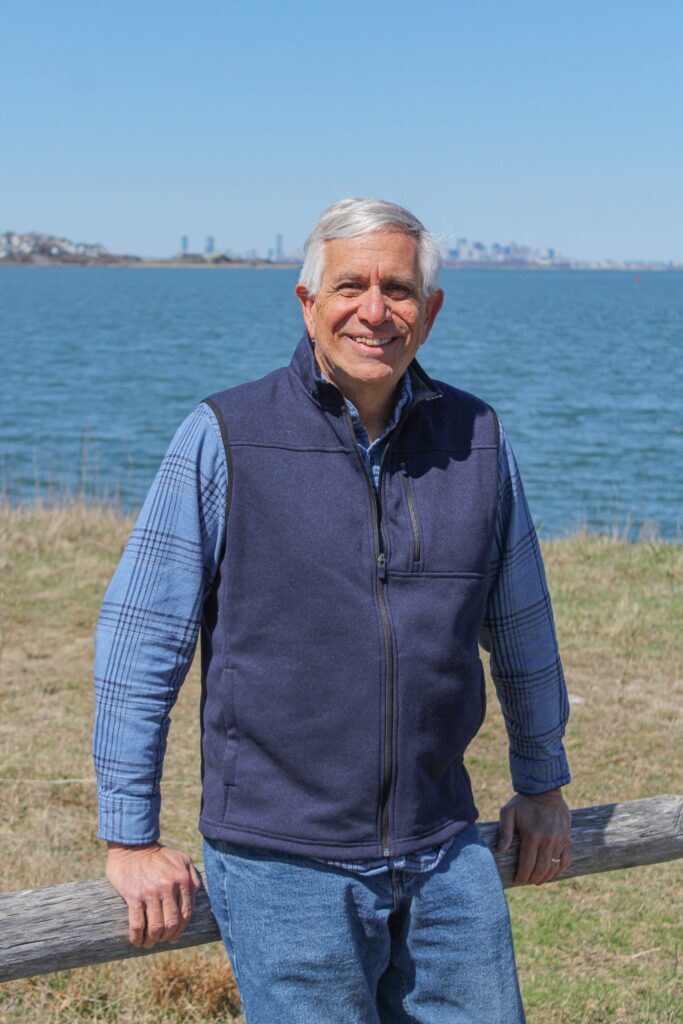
(350, 218)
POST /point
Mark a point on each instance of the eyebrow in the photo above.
(393, 279)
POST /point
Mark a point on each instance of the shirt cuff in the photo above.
(131, 820)
(531, 777)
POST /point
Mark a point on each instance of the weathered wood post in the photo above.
(81, 923)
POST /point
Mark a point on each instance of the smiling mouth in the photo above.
(372, 342)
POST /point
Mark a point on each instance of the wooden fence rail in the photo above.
(81, 923)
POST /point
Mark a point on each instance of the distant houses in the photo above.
(33, 247)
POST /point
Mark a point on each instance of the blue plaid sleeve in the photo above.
(519, 633)
(148, 626)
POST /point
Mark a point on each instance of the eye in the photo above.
(348, 289)
(399, 291)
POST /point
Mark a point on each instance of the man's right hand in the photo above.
(159, 885)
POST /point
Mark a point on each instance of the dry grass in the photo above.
(195, 984)
(172, 988)
(600, 950)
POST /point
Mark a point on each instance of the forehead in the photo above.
(380, 253)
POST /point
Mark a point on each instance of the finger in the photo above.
(565, 859)
(170, 906)
(187, 901)
(545, 867)
(155, 922)
(527, 859)
(506, 829)
(136, 922)
(196, 878)
(559, 862)
(186, 907)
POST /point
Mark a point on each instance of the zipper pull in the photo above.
(382, 566)
(404, 469)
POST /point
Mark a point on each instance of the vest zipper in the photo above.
(381, 559)
(380, 555)
(413, 514)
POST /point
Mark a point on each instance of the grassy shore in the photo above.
(606, 949)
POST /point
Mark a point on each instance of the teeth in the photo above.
(373, 342)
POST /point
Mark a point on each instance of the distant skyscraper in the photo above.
(184, 245)
(279, 251)
(210, 246)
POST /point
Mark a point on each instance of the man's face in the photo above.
(370, 316)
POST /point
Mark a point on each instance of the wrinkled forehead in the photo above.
(385, 253)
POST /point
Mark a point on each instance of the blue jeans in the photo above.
(312, 944)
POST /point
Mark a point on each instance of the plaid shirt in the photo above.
(150, 618)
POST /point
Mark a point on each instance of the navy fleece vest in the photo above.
(341, 677)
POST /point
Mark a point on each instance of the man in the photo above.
(346, 529)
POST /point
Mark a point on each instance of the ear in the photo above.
(307, 308)
(433, 304)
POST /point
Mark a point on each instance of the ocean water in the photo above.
(98, 366)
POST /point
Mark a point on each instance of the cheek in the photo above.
(411, 316)
(336, 317)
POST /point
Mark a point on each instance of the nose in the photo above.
(373, 308)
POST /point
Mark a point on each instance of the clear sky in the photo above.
(553, 124)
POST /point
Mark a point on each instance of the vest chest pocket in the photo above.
(414, 524)
(230, 728)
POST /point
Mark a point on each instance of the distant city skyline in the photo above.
(449, 247)
(39, 248)
(555, 124)
(453, 250)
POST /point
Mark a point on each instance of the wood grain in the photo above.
(82, 923)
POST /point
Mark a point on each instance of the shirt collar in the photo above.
(404, 394)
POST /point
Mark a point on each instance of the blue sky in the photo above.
(131, 123)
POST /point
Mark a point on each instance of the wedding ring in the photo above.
(555, 860)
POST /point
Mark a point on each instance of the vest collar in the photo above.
(304, 367)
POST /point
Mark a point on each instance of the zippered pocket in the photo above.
(230, 729)
(417, 545)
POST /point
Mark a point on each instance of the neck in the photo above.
(374, 405)
(373, 402)
(374, 411)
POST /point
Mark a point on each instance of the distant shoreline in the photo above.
(224, 264)
(35, 249)
(137, 262)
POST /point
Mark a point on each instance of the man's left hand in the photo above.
(544, 823)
